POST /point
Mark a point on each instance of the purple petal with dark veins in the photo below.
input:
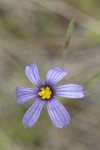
(54, 75)
(33, 113)
(33, 75)
(58, 114)
(24, 94)
(69, 91)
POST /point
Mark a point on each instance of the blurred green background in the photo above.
(34, 30)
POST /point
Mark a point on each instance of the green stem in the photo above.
(68, 37)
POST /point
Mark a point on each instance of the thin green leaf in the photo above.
(68, 36)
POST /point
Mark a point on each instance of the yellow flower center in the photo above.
(45, 93)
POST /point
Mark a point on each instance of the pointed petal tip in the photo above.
(63, 126)
(82, 95)
(18, 102)
(26, 125)
(31, 64)
(16, 90)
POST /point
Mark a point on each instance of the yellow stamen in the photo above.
(45, 93)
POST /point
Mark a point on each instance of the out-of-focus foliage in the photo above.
(35, 30)
(91, 7)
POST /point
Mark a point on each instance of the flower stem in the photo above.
(68, 37)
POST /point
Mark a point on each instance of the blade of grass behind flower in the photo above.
(68, 37)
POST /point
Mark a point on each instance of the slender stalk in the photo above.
(68, 37)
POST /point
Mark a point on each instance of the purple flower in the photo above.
(44, 93)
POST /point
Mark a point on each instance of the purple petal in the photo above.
(33, 113)
(54, 75)
(69, 91)
(33, 75)
(58, 114)
(25, 94)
